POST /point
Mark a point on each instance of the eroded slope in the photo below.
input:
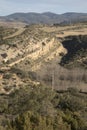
(77, 51)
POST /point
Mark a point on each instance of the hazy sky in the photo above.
(56, 6)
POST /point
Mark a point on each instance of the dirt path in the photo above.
(73, 33)
(16, 33)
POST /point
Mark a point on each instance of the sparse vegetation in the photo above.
(38, 107)
(36, 93)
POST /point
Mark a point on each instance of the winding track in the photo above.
(18, 32)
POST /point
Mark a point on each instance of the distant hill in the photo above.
(47, 17)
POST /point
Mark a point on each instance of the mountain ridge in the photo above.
(45, 17)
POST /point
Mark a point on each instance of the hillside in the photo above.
(46, 18)
(77, 51)
(43, 77)
(29, 53)
(39, 108)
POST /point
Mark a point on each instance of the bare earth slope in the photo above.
(28, 51)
